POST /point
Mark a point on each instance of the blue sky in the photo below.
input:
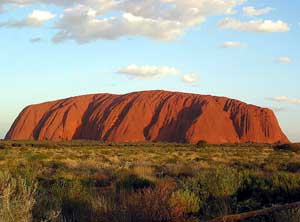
(247, 50)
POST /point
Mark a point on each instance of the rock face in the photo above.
(148, 116)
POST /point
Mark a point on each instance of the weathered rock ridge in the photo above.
(148, 116)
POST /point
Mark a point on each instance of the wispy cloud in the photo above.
(162, 20)
(35, 19)
(251, 11)
(232, 44)
(278, 109)
(151, 72)
(285, 99)
(263, 26)
(190, 78)
(284, 60)
(148, 72)
(35, 40)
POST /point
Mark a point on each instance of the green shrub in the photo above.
(133, 183)
(91, 182)
(221, 182)
(294, 147)
(150, 204)
(69, 197)
(17, 145)
(215, 189)
(293, 167)
(201, 143)
(2, 146)
(17, 198)
(180, 170)
(264, 191)
(184, 203)
(292, 215)
(144, 171)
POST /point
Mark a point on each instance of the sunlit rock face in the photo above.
(148, 116)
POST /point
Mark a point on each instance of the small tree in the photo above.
(201, 143)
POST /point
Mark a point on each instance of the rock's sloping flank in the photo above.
(148, 116)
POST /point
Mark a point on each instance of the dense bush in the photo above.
(201, 143)
(294, 147)
(17, 197)
(69, 198)
(266, 191)
(134, 183)
(94, 182)
(184, 203)
(149, 204)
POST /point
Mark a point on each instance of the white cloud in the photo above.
(151, 72)
(251, 11)
(285, 60)
(82, 25)
(254, 25)
(40, 16)
(148, 72)
(190, 78)
(187, 12)
(23, 3)
(278, 109)
(232, 44)
(285, 99)
(163, 20)
(35, 40)
(35, 19)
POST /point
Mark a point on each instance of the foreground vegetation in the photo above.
(97, 182)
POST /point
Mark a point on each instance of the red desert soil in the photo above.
(148, 116)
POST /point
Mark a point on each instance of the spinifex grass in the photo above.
(88, 181)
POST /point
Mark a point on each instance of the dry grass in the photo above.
(79, 180)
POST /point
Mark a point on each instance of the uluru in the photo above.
(148, 116)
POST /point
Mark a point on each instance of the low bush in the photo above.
(264, 191)
(91, 182)
(147, 172)
(149, 203)
(180, 170)
(201, 143)
(294, 147)
(133, 183)
(17, 197)
(70, 198)
(293, 167)
(184, 203)
(215, 189)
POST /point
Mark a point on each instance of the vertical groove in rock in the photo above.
(148, 116)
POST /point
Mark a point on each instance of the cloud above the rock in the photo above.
(35, 19)
(284, 60)
(35, 40)
(285, 99)
(147, 72)
(251, 11)
(163, 20)
(260, 26)
(75, 20)
(190, 78)
(232, 44)
(278, 109)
